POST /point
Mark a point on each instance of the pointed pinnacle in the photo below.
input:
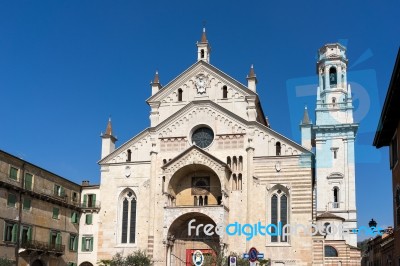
(109, 127)
(156, 78)
(203, 36)
(306, 118)
(251, 73)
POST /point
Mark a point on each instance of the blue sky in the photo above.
(65, 66)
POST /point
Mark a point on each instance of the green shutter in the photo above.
(73, 217)
(13, 173)
(28, 181)
(83, 244)
(76, 243)
(91, 244)
(27, 204)
(55, 213)
(89, 218)
(84, 200)
(14, 233)
(62, 194)
(11, 200)
(58, 239)
(29, 236)
(94, 200)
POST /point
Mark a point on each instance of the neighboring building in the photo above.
(39, 214)
(387, 134)
(89, 225)
(380, 250)
(210, 155)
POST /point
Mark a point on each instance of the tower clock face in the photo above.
(203, 137)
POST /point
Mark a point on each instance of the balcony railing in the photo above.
(43, 246)
(90, 205)
(335, 205)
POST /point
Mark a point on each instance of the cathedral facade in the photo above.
(210, 159)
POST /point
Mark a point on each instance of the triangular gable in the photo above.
(223, 114)
(191, 71)
(192, 155)
(136, 139)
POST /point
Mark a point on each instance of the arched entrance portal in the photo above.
(86, 264)
(37, 263)
(183, 241)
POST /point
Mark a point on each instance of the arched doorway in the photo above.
(187, 234)
(37, 263)
(86, 263)
(195, 185)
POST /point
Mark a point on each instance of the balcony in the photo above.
(90, 205)
(45, 247)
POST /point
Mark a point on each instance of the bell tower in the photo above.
(203, 48)
(333, 136)
(334, 102)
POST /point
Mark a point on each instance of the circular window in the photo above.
(203, 137)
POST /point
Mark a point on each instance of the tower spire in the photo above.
(108, 140)
(251, 73)
(306, 118)
(109, 127)
(251, 79)
(156, 78)
(204, 36)
(203, 48)
(155, 84)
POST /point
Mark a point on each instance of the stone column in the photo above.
(346, 176)
(168, 259)
(321, 82)
(249, 179)
(327, 83)
(339, 76)
(152, 201)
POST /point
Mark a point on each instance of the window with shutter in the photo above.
(89, 218)
(13, 173)
(8, 232)
(91, 244)
(55, 212)
(53, 238)
(25, 234)
(74, 217)
(14, 233)
(58, 238)
(73, 242)
(27, 204)
(11, 200)
(87, 243)
(84, 201)
(28, 181)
